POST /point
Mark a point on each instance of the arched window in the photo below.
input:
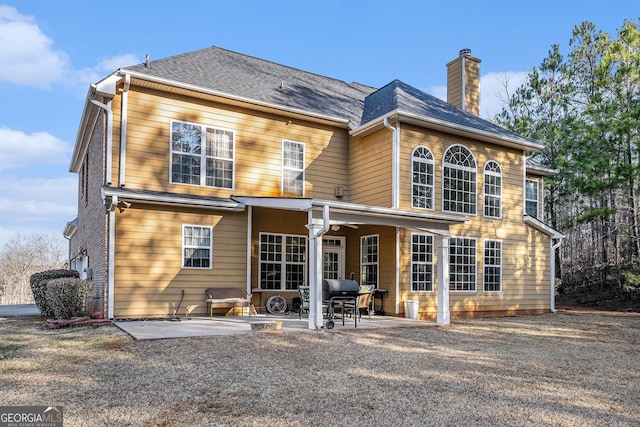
(422, 181)
(492, 190)
(459, 186)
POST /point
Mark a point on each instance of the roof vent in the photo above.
(465, 52)
(147, 62)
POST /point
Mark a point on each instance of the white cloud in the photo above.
(492, 90)
(105, 66)
(36, 205)
(26, 54)
(18, 150)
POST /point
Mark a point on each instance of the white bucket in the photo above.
(411, 308)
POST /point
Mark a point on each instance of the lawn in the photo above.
(557, 369)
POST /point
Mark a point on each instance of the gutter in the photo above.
(395, 163)
(554, 246)
(109, 139)
(456, 129)
(237, 98)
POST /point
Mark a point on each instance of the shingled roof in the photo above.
(251, 78)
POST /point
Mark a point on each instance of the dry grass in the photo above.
(566, 370)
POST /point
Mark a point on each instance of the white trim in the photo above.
(283, 261)
(184, 246)
(452, 128)
(540, 226)
(432, 162)
(195, 88)
(537, 199)
(302, 170)
(203, 155)
(249, 242)
(123, 129)
(475, 265)
(464, 168)
(484, 189)
(411, 263)
(484, 264)
(377, 263)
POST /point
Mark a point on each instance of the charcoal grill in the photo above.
(337, 293)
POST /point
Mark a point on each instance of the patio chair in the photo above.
(364, 301)
(303, 292)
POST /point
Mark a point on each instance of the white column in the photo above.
(315, 276)
(444, 316)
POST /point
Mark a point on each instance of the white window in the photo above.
(421, 262)
(196, 246)
(492, 266)
(369, 260)
(492, 190)
(462, 264)
(283, 261)
(201, 155)
(292, 168)
(459, 185)
(531, 197)
(422, 186)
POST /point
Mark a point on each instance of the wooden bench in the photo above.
(227, 298)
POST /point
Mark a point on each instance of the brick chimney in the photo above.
(463, 82)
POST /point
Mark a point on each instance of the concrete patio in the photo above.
(234, 325)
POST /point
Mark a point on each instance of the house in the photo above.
(217, 169)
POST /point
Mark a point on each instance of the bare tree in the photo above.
(20, 258)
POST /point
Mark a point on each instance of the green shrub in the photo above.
(38, 282)
(69, 297)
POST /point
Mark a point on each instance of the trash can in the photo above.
(411, 307)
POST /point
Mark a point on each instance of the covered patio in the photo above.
(324, 214)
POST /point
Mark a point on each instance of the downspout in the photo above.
(315, 265)
(554, 246)
(123, 129)
(112, 252)
(395, 168)
(109, 142)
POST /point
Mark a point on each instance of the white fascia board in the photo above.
(275, 202)
(454, 128)
(541, 226)
(186, 86)
(174, 200)
(541, 170)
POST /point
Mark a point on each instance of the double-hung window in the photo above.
(283, 260)
(459, 185)
(422, 180)
(292, 168)
(196, 246)
(369, 260)
(531, 197)
(462, 264)
(492, 266)
(201, 155)
(421, 262)
(492, 190)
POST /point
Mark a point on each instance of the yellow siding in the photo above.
(148, 265)
(258, 147)
(370, 169)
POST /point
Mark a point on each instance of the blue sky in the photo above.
(50, 51)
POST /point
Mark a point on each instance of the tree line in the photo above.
(584, 106)
(23, 256)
